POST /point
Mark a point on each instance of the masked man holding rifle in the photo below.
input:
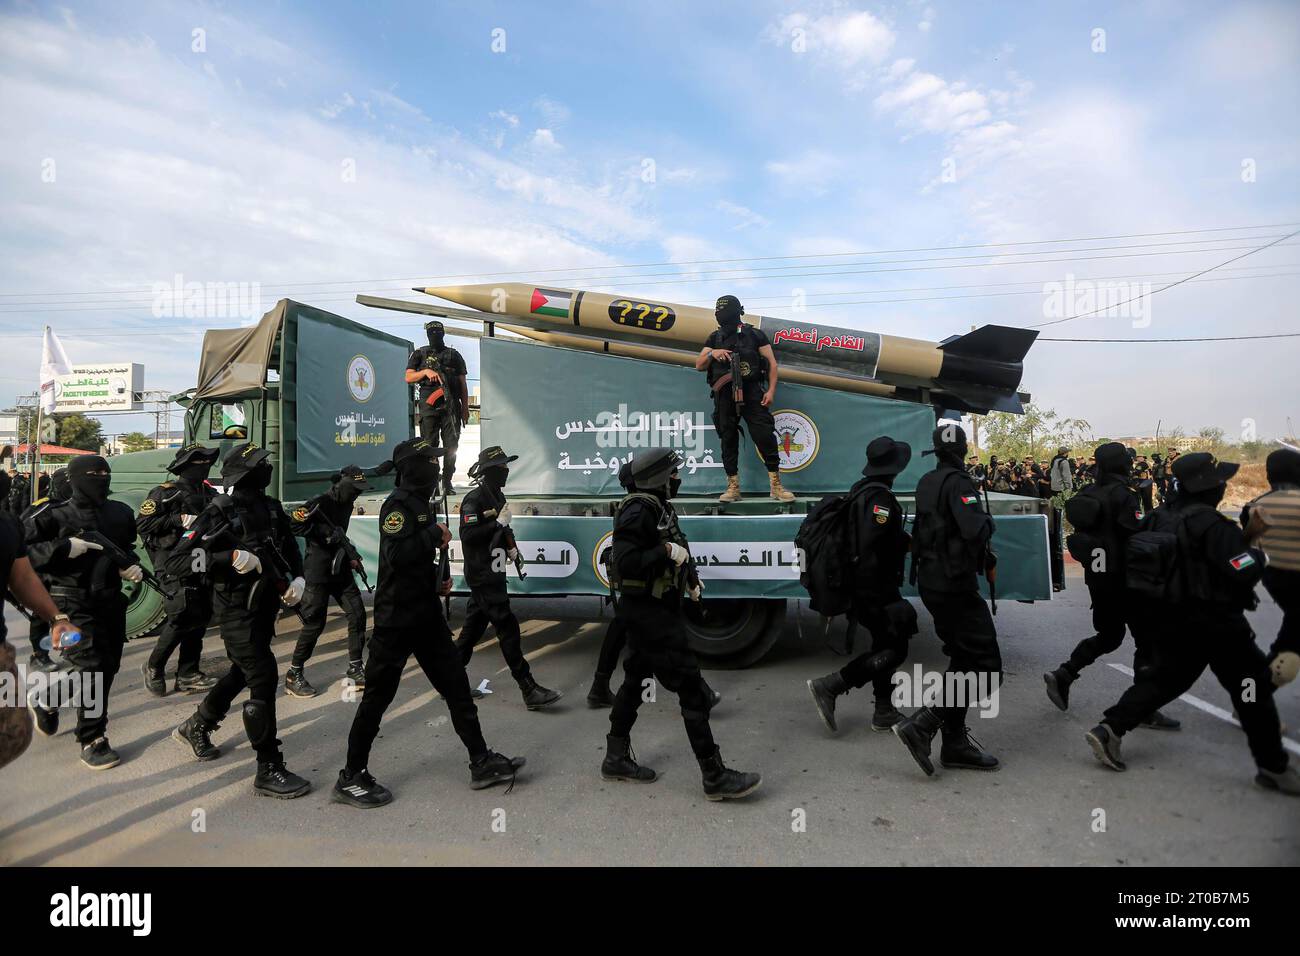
(443, 399)
(244, 544)
(85, 579)
(329, 568)
(738, 357)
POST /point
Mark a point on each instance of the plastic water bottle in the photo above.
(70, 639)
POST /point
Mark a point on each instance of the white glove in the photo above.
(294, 594)
(245, 562)
(512, 553)
(187, 520)
(134, 574)
(695, 592)
(677, 554)
(504, 516)
(77, 547)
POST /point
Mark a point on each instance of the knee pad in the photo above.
(1284, 667)
(259, 721)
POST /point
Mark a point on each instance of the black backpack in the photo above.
(826, 547)
(1086, 513)
(1158, 563)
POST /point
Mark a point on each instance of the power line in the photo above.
(691, 262)
(1107, 308)
(1223, 338)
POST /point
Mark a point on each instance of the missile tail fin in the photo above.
(997, 343)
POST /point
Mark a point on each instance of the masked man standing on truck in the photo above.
(738, 349)
(651, 570)
(409, 620)
(328, 568)
(38, 630)
(950, 549)
(879, 547)
(489, 544)
(165, 515)
(1198, 569)
(246, 546)
(1104, 514)
(86, 583)
(443, 397)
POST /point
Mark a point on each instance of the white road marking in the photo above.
(1209, 708)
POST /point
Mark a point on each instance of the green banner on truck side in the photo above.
(353, 404)
(737, 556)
(574, 417)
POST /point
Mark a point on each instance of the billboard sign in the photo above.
(108, 387)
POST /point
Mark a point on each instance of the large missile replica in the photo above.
(976, 372)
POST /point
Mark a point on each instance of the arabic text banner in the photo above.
(574, 417)
(352, 400)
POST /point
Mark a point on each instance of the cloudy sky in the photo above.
(912, 168)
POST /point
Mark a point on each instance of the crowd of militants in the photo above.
(1065, 474)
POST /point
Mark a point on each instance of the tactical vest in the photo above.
(936, 537)
(1282, 540)
(745, 345)
(669, 530)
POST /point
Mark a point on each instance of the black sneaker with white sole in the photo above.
(45, 718)
(360, 790)
(1105, 745)
(98, 755)
(196, 683)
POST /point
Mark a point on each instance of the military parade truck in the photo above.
(321, 391)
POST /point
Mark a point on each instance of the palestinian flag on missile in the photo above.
(554, 302)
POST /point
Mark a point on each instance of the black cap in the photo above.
(193, 455)
(434, 326)
(653, 468)
(416, 448)
(886, 457)
(241, 460)
(1201, 471)
(1112, 457)
(1283, 467)
(353, 477)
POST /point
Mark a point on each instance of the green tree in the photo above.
(136, 441)
(1038, 432)
(78, 431)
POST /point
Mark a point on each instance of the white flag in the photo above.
(54, 361)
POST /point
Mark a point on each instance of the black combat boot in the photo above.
(620, 763)
(46, 719)
(884, 717)
(535, 695)
(360, 790)
(296, 683)
(1058, 686)
(98, 755)
(1105, 745)
(1158, 721)
(196, 683)
(916, 732)
(960, 751)
(194, 733)
(824, 690)
(600, 695)
(357, 674)
(274, 779)
(492, 768)
(723, 784)
(155, 681)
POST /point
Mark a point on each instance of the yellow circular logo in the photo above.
(149, 507)
(606, 540)
(395, 522)
(797, 439)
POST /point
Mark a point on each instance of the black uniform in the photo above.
(86, 588)
(189, 608)
(746, 341)
(246, 605)
(440, 421)
(409, 620)
(1208, 628)
(323, 523)
(952, 536)
(38, 629)
(650, 590)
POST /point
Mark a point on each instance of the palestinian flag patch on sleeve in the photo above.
(468, 517)
(970, 499)
(1242, 561)
(881, 513)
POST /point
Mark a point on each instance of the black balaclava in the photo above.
(1113, 463)
(1208, 496)
(60, 487)
(344, 490)
(194, 473)
(259, 479)
(87, 488)
(437, 336)
(1283, 468)
(950, 445)
(43, 487)
(728, 311)
(496, 476)
(419, 476)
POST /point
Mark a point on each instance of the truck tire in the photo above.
(144, 605)
(733, 633)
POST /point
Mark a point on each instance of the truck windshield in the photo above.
(227, 421)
